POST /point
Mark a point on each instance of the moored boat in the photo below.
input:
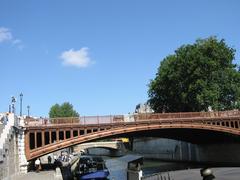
(91, 167)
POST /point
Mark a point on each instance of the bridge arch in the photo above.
(136, 128)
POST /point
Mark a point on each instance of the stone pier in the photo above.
(13, 160)
(23, 164)
(9, 165)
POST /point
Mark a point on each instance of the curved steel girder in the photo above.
(124, 130)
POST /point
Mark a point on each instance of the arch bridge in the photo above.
(44, 136)
(112, 145)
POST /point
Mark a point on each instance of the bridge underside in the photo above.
(196, 134)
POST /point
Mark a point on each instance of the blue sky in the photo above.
(99, 55)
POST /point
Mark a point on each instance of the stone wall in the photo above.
(12, 152)
(23, 164)
(165, 149)
(9, 164)
(172, 150)
(225, 153)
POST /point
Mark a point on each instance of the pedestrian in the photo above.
(56, 161)
(38, 165)
(207, 174)
(55, 158)
(49, 159)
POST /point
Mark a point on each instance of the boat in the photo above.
(91, 167)
(64, 159)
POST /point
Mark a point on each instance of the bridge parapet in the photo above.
(181, 115)
(88, 120)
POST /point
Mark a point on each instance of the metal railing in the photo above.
(158, 176)
(88, 120)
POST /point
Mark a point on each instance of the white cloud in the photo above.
(79, 58)
(16, 41)
(5, 35)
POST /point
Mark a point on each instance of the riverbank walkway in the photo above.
(117, 168)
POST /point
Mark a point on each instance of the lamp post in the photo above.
(13, 104)
(21, 96)
(28, 107)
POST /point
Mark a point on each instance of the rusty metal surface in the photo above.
(96, 127)
(87, 120)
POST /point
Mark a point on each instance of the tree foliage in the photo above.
(197, 77)
(64, 110)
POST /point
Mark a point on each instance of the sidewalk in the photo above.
(42, 175)
(219, 173)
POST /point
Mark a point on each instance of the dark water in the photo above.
(118, 167)
(156, 166)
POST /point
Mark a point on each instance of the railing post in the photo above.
(84, 120)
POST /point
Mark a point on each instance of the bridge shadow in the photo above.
(44, 167)
(195, 136)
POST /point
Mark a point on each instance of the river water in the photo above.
(155, 166)
(118, 167)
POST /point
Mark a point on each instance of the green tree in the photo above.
(196, 77)
(64, 110)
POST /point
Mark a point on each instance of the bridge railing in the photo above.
(149, 116)
(63, 120)
(88, 120)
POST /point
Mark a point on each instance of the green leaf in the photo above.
(195, 77)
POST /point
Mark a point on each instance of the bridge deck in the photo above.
(47, 135)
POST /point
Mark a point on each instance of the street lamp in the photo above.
(9, 108)
(13, 104)
(28, 107)
(21, 96)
